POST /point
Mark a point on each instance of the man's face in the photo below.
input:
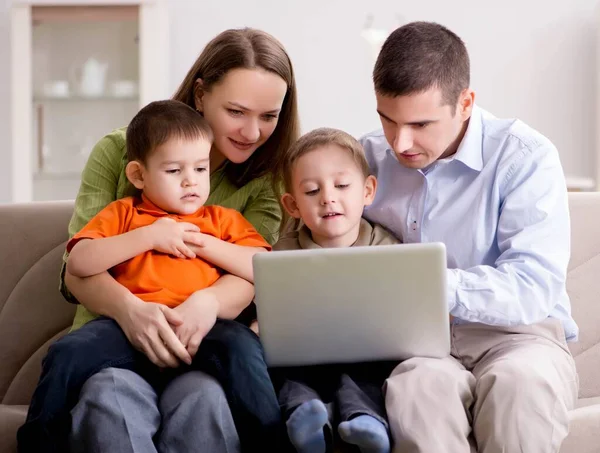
(420, 128)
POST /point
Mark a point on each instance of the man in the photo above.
(494, 192)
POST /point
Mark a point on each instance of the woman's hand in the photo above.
(149, 328)
(199, 314)
(169, 236)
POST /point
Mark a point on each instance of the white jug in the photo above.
(93, 78)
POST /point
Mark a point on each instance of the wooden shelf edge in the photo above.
(77, 13)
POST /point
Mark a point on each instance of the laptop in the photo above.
(354, 304)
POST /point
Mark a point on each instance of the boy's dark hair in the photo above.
(419, 56)
(317, 138)
(161, 121)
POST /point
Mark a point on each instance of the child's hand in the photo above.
(254, 327)
(169, 236)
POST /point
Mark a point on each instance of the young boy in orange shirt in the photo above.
(142, 242)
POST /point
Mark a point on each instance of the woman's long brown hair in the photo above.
(248, 48)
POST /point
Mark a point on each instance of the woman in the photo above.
(243, 84)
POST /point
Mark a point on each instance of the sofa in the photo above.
(33, 314)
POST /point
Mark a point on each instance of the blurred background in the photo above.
(71, 71)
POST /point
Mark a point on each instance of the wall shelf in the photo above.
(54, 44)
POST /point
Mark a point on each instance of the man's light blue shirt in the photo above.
(500, 206)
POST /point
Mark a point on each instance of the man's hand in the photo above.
(168, 236)
(148, 326)
(199, 314)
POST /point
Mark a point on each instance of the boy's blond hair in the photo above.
(317, 138)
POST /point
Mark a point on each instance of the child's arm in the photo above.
(232, 258)
(91, 257)
(234, 246)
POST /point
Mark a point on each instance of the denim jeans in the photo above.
(230, 352)
(353, 389)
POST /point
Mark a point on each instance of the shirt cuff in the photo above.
(451, 286)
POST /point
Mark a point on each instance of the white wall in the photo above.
(532, 59)
(5, 139)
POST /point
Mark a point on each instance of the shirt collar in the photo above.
(146, 206)
(470, 150)
(364, 236)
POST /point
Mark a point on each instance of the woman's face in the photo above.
(242, 110)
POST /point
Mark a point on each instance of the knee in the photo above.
(63, 355)
(234, 340)
(509, 393)
(515, 381)
(195, 388)
(430, 382)
(105, 381)
(440, 373)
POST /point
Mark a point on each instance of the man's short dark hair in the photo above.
(419, 56)
(160, 121)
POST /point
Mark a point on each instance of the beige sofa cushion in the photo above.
(32, 311)
(583, 286)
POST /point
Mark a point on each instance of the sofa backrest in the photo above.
(33, 313)
(583, 286)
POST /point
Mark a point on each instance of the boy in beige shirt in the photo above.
(328, 184)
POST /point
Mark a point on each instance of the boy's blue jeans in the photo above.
(230, 352)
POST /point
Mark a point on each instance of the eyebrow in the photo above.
(171, 162)
(246, 109)
(339, 173)
(412, 123)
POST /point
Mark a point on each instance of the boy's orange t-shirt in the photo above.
(159, 277)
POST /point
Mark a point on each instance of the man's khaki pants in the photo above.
(502, 390)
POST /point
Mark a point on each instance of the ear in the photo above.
(370, 189)
(466, 101)
(290, 205)
(199, 94)
(135, 173)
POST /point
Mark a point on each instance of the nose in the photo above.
(327, 196)
(250, 131)
(189, 178)
(403, 141)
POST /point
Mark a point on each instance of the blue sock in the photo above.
(305, 427)
(367, 433)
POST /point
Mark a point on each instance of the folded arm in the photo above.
(94, 256)
(232, 258)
